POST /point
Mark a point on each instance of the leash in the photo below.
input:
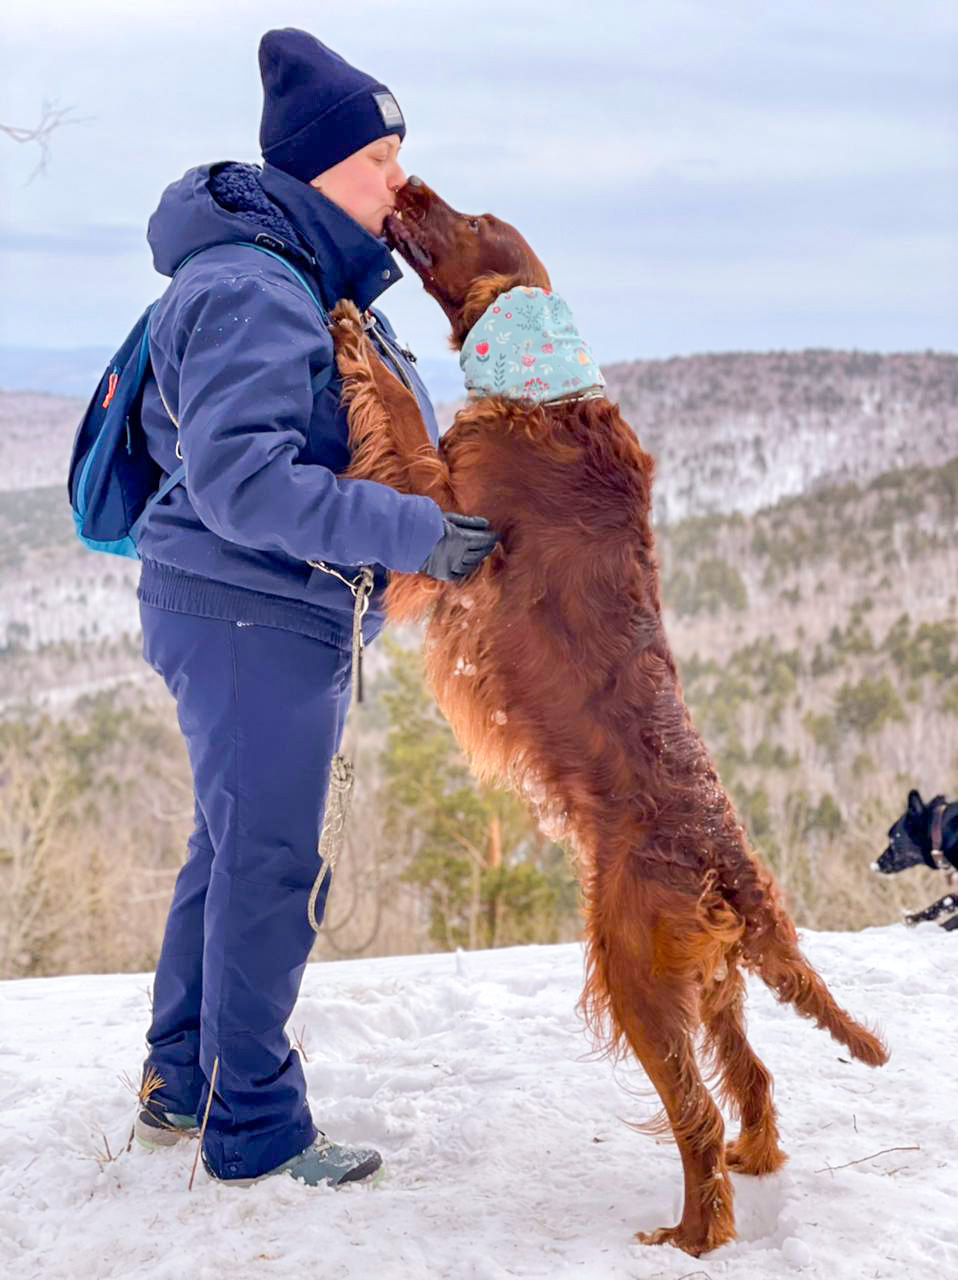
(332, 837)
(341, 772)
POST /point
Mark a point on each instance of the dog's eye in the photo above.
(473, 224)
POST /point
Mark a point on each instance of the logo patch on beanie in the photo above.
(389, 110)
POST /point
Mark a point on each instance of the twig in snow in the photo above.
(105, 1157)
(830, 1168)
(130, 1084)
(152, 1081)
(206, 1116)
(298, 1040)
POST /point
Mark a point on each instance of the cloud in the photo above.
(756, 174)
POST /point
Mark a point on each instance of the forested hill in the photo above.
(740, 431)
(817, 640)
(731, 432)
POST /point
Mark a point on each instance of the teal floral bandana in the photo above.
(525, 346)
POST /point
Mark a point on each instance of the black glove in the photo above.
(465, 543)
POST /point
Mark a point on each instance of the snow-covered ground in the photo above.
(506, 1143)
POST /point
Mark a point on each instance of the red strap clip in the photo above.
(111, 390)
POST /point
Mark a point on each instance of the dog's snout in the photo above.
(414, 195)
(890, 862)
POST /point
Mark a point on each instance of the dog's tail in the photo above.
(770, 950)
(795, 982)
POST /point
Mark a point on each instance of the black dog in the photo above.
(926, 835)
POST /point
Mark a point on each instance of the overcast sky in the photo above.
(696, 175)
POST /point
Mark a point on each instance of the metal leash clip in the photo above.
(361, 586)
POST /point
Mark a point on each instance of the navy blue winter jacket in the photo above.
(235, 344)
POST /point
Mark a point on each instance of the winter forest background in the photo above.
(807, 505)
(774, 185)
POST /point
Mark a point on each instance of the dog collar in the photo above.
(525, 346)
(937, 837)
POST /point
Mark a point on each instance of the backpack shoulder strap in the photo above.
(323, 378)
(169, 483)
(292, 270)
(285, 262)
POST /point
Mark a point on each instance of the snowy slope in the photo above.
(506, 1144)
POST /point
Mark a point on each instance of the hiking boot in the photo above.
(155, 1127)
(323, 1162)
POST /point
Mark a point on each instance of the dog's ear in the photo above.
(481, 294)
(915, 803)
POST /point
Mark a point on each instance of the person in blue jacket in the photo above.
(245, 595)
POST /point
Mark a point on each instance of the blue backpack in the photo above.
(114, 480)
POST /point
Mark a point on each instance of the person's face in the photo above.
(365, 183)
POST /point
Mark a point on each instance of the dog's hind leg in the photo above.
(645, 986)
(745, 1081)
(666, 1052)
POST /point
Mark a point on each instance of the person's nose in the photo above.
(397, 178)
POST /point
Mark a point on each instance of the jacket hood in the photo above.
(215, 204)
(228, 202)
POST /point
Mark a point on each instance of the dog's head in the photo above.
(463, 260)
(909, 839)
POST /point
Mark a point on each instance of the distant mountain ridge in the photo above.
(816, 639)
(730, 433)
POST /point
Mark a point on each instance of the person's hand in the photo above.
(465, 543)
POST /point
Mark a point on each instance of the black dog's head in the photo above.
(909, 840)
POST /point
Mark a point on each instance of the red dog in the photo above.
(575, 703)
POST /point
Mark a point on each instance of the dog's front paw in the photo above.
(346, 311)
(355, 357)
(346, 327)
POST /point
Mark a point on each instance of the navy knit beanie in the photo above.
(317, 109)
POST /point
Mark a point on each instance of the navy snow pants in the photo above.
(262, 712)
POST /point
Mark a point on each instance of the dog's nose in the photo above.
(413, 181)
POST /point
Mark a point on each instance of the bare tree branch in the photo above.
(52, 117)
